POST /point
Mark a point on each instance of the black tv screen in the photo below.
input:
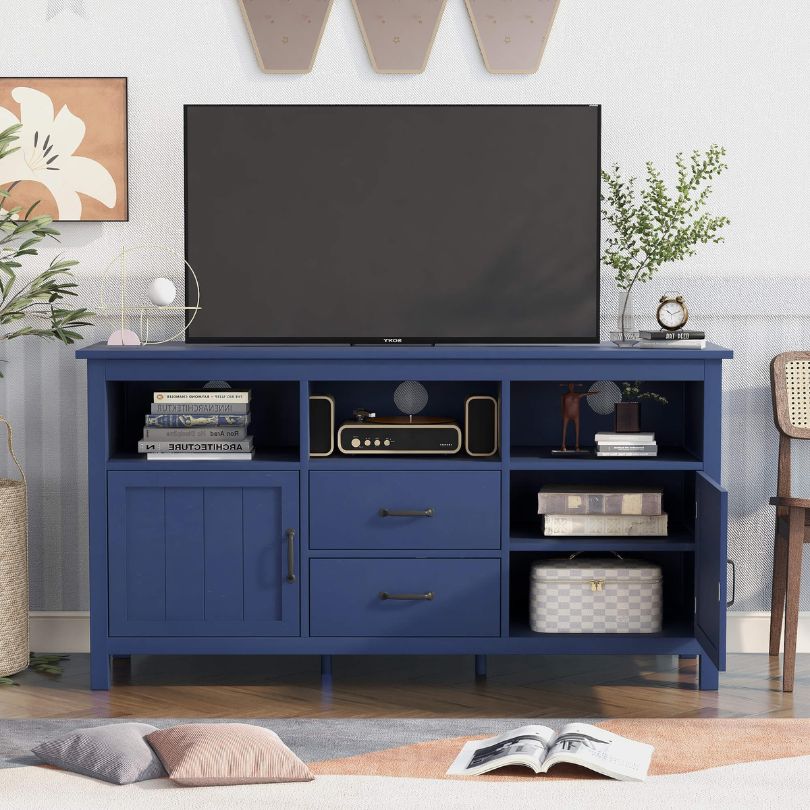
(389, 223)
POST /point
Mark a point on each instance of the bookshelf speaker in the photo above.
(481, 426)
(321, 425)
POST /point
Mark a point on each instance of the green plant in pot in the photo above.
(651, 227)
(628, 411)
(34, 307)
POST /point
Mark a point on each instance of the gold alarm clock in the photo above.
(672, 313)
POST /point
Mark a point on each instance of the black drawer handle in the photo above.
(406, 512)
(408, 597)
(290, 555)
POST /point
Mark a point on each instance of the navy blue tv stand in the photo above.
(289, 554)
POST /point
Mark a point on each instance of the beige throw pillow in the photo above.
(203, 754)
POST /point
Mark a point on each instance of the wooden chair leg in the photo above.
(778, 591)
(794, 573)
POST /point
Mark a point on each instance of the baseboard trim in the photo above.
(749, 631)
(59, 631)
(69, 631)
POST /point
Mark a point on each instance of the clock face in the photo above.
(672, 314)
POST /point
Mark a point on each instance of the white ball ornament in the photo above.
(162, 292)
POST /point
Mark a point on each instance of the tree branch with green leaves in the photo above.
(36, 307)
(651, 226)
(631, 392)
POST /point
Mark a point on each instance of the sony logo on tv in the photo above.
(392, 340)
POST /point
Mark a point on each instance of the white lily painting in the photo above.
(72, 152)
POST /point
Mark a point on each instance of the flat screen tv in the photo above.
(394, 223)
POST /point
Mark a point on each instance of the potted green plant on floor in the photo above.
(32, 307)
(651, 227)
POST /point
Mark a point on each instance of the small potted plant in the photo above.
(628, 411)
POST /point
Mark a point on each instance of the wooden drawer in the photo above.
(352, 509)
(363, 597)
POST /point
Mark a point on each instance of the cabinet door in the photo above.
(203, 554)
(710, 567)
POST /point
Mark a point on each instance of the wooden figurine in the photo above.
(571, 402)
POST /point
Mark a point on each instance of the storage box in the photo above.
(595, 596)
(566, 499)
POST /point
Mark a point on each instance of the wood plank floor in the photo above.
(392, 686)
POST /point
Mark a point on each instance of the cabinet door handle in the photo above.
(406, 512)
(733, 599)
(407, 597)
(290, 555)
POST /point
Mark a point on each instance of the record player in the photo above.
(370, 434)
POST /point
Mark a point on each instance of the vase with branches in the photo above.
(35, 307)
(652, 226)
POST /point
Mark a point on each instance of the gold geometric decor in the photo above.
(512, 34)
(399, 34)
(285, 34)
(133, 308)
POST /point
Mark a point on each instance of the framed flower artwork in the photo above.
(71, 152)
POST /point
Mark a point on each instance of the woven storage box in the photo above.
(13, 570)
(595, 596)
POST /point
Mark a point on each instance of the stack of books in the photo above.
(602, 511)
(626, 445)
(682, 339)
(208, 425)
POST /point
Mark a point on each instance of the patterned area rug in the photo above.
(373, 763)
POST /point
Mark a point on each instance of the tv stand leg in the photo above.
(480, 666)
(100, 670)
(708, 675)
(326, 666)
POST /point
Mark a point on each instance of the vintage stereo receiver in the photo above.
(394, 436)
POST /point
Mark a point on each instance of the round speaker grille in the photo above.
(411, 397)
(605, 401)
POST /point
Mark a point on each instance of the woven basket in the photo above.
(13, 570)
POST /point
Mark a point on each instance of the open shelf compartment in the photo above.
(526, 526)
(446, 399)
(274, 422)
(536, 426)
(678, 599)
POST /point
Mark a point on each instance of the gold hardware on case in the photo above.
(597, 584)
(602, 581)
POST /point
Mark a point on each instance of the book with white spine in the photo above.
(241, 446)
(209, 395)
(635, 453)
(671, 344)
(199, 456)
(624, 438)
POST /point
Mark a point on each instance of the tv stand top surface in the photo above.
(491, 352)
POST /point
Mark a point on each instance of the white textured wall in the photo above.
(671, 74)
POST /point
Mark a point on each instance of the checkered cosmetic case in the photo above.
(595, 596)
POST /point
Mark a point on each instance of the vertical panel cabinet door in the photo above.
(711, 526)
(203, 554)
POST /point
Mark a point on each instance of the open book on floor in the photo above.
(540, 748)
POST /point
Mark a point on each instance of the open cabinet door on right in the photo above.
(711, 525)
